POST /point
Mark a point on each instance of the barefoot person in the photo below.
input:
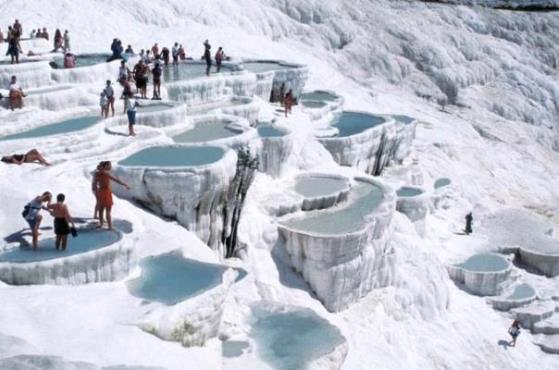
(156, 73)
(104, 104)
(103, 180)
(16, 94)
(514, 332)
(32, 214)
(62, 221)
(131, 105)
(219, 58)
(207, 56)
(95, 190)
(288, 102)
(31, 156)
(110, 94)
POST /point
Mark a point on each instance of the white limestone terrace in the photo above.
(414, 202)
(289, 75)
(368, 142)
(320, 190)
(314, 343)
(350, 241)
(186, 183)
(242, 106)
(215, 129)
(58, 97)
(182, 299)
(518, 295)
(277, 144)
(94, 256)
(319, 104)
(528, 235)
(483, 274)
(47, 69)
(155, 114)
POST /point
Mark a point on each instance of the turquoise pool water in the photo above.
(87, 240)
(522, 291)
(83, 60)
(485, 262)
(350, 217)
(313, 104)
(188, 71)
(404, 119)
(317, 186)
(206, 132)
(174, 156)
(71, 125)
(170, 278)
(292, 340)
(319, 96)
(153, 107)
(442, 182)
(259, 67)
(268, 131)
(233, 348)
(351, 123)
(407, 192)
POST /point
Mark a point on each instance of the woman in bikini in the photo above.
(102, 182)
(31, 156)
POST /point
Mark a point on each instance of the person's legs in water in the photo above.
(57, 242)
(109, 218)
(64, 241)
(101, 216)
(35, 231)
(131, 122)
(208, 68)
(112, 106)
(96, 209)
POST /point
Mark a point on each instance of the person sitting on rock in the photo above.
(16, 94)
(31, 156)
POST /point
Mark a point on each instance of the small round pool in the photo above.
(352, 123)
(442, 182)
(86, 241)
(188, 71)
(408, 191)
(174, 156)
(207, 131)
(292, 339)
(319, 186)
(64, 127)
(170, 278)
(269, 131)
(157, 107)
(318, 95)
(522, 291)
(485, 262)
(351, 217)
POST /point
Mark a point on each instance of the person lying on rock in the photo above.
(31, 156)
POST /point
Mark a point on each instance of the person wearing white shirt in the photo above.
(131, 105)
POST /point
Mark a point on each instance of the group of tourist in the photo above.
(38, 34)
(63, 221)
(61, 42)
(15, 32)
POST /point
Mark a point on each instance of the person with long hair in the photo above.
(102, 182)
(31, 156)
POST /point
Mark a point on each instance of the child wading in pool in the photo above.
(62, 221)
(102, 182)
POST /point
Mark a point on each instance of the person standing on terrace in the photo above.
(207, 56)
(102, 182)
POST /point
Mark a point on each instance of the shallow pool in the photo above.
(351, 123)
(148, 108)
(206, 132)
(522, 291)
(87, 240)
(71, 125)
(407, 191)
(317, 186)
(313, 104)
(319, 96)
(82, 60)
(174, 156)
(259, 67)
(269, 131)
(485, 262)
(403, 119)
(442, 182)
(351, 217)
(170, 278)
(233, 348)
(291, 340)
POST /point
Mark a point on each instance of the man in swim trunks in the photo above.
(102, 182)
(32, 214)
(110, 94)
(140, 76)
(62, 221)
(16, 94)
